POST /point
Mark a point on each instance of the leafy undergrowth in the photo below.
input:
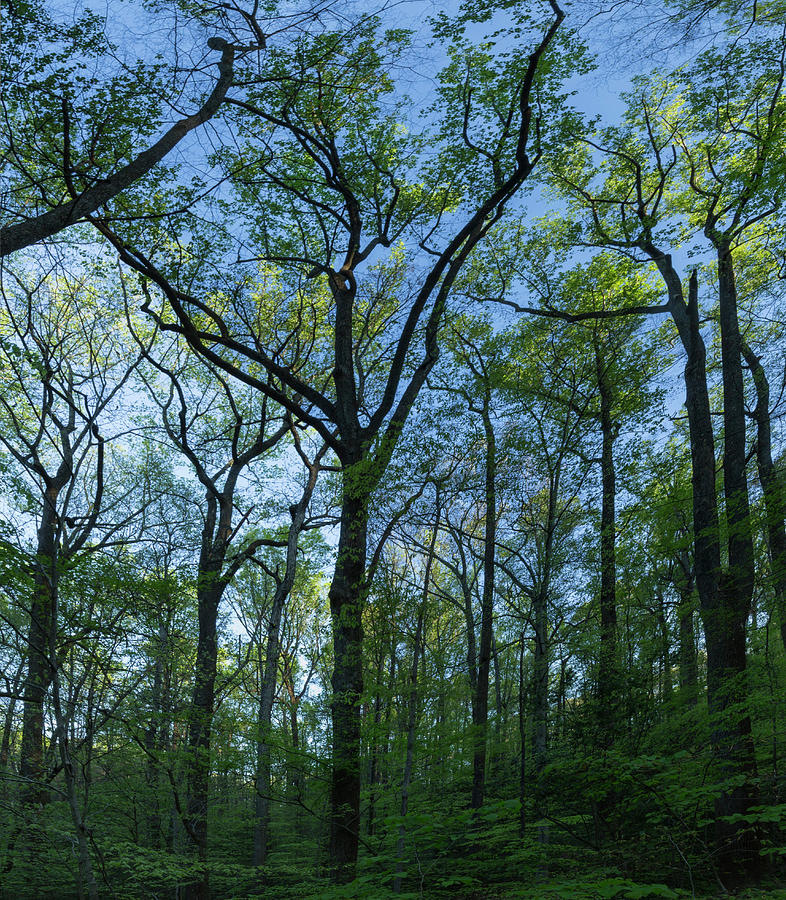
(153, 874)
(463, 888)
(451, 853)
(589, 889)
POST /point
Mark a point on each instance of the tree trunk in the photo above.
(608, 670)
(296, 780)
(771, 486)
(472, 647)
(689, 678)
(724, 624)
(39, 665)
(263, 781)
(724, 597)
(373, 774)
(689, 667)
(540, 695)
(666, 685)
(87, 884)
(499, 710)
(382, 737)
(346, 607)
(153, 736)
(540, 723)
(412, 708)
(480, 706)
(540, 720)
(522, 741)
(268, 687)
(8, 725)
(209, 594)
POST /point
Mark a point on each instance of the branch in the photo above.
(565, 316)
(23, 234)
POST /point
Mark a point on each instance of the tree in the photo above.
(315, 158)
(64, 150)
(412, 701)
(222, 430)
(473, 348)
(770, 481)
(65, 366)
(679, 159)
(284, 583)
(547, 392)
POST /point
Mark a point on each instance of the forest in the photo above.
(392, 449)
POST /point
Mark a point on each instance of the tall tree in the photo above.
(712, 157)
(222, 433)
(771, 483)
(324, 179)
(55, 399)
(473, 349)
(284, 582)
(412, 700)
(65, 366)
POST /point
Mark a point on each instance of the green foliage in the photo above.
(329, 187)
(601, 890)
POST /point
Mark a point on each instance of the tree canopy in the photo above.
(391, 449)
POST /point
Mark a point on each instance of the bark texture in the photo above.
(480, 706)
(346, 606)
